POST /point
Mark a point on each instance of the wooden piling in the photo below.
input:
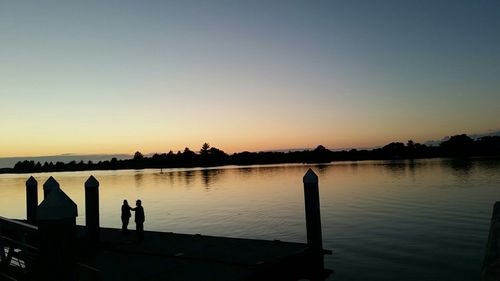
(491, 263)
(49, 185)
(56, 216)
(31, 200)
(312, 206)
(92, 209)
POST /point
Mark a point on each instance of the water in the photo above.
(404, 220)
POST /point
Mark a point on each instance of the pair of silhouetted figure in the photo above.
(139, 218)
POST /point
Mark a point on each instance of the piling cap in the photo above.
(50, 185)
(56, 205)
(310, 177)
(91, 182)
(31, 181)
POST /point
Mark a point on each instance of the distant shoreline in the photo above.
(459, 146)
(472, 158)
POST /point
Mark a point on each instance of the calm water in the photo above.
(408, 220)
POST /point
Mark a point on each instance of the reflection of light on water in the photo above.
(413, 219)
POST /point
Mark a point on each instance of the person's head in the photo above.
(125, 202)
(138, 202)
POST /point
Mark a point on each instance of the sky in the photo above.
(109, 77)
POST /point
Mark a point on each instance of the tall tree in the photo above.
(204, 149)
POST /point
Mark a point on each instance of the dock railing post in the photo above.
(491, 259)
(313, 218)
(31, 200)
(313, 226)
(49, 185)
(56, 216)
(92, 209)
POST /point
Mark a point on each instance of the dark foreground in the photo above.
(161, 256)
(170, 256)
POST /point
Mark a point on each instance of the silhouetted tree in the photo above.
(138, 156)
(410, 144)
(455, 146)
(204, 149)
(459, 145)
(394, 150)
(138, 161)
(321, 155)
(488, 146)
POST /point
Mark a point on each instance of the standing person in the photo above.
(125, 216)
(139, 220)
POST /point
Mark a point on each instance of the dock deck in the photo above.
(170, 256)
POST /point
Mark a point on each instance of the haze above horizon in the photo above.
(99, 77)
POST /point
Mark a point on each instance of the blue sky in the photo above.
(120, 76)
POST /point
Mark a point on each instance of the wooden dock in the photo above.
(50, 246)
(170, 256)
(162, 256)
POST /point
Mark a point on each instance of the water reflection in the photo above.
(412, 164)
(138, 177)
(245, 172)
(403, 168)
(171, 178)
(322, 169)
(461, 165)
(396, 168)
(210, 176)
(488, 165)
(377, 229)
(187, 176)
(460, 168)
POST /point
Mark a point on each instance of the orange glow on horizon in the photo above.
(24, 149)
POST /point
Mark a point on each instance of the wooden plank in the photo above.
(17, 243)
(17, 225)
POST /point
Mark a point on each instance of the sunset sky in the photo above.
(119, 76)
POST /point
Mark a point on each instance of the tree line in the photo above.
(207, 156)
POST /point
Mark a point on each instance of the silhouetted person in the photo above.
(139, 220)
(125, 216)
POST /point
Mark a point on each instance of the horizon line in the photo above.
(427, 142)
